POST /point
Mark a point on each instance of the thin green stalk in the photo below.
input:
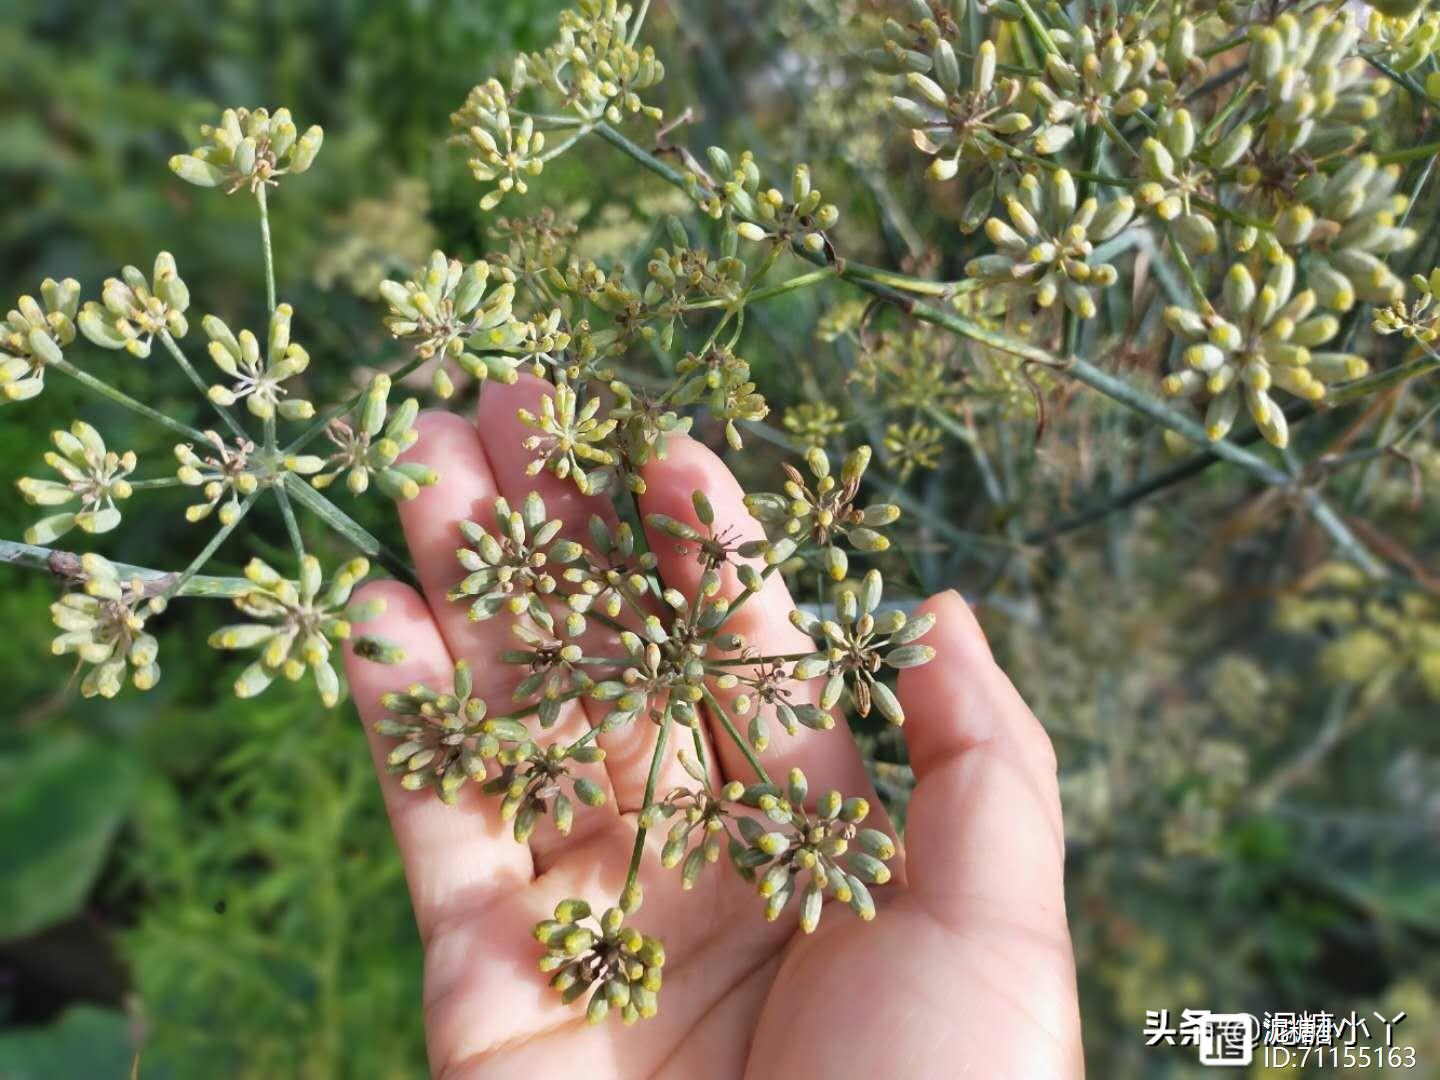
(1404, 79)
(566, 143)
(1413, 153)
(269, 254)
(1231, 215)
(639, 23)
(1187, 270)
(1084, 175)
(802, 281)
(735, 737)
(292, 527)
(656, 760)
(155, 484)
(1223, 116)
(1385, 380)
(266, 249)
(1114, 133)
(105, 390)
(208, 552)
(1037, 27)
(199, 384)
(861, 272)
(349, 528)
(67, 564)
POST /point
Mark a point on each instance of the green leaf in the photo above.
(85, 1041)
(60, 804)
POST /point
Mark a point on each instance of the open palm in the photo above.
(966, 971)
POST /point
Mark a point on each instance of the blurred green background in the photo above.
(213, 881)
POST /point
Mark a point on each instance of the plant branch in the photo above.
(66, 565)
(653, 778)
(208, 552)
(199, 384)
(349, 528)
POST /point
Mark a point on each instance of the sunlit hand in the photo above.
(967, 969)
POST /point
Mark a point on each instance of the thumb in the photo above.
(983, 828)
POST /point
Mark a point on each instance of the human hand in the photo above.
(966, 971)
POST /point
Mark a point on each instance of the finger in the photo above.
(457, 858)
(829, 759)
(466, 489)
(983, 828)
(630, 749)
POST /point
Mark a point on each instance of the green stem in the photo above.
(639, 23)
(861, 272)
(350, 529)
(199, 384)
(269, 254)
(1231, 215)
(803, 281)
(1187, 270)
(265, 247)
(1119, 139)
(156, 484)
(292, 527)
(1401, 79)
(1085, 175)
(735, 736)
(651, 780)
(66, 564)
(105, 390)
(221, 534)
(1037, 27)
(1413, 153)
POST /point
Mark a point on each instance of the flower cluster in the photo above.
(1045, 247)
(134, 310)
(90, 474)
(259, 381)
(103, 624)
(857, 642)
(32, 337)
(616, 965)
(449, 309)
(1371, 637)
(735, 194)
(826, 513)
(1350, 223)
(1419, 319)
(369, 449)
(668, 670)
(224, 474)
(1318, 94)
(1179, 173)
(249, 148)
(593, 70)
(294, 623)
(1258, 340)
(793, 852)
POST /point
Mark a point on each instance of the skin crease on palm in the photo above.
(967, 969)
